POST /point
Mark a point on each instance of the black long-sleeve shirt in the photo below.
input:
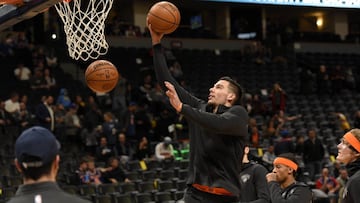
(351, 191)
(294, 193)
(216, 139)
(254, 188)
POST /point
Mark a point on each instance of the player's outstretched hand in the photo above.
(155, 36)
(173, 96)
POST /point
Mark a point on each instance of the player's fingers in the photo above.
(169, 86)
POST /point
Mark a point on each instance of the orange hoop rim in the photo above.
(12, 2)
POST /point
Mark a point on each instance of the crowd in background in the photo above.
(133, 119)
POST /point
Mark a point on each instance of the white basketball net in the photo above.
(84, 27)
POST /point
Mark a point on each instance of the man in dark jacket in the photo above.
(217, 130)
(44, 113)
(253, 182)
(282, 184)
(37, 158)
(114, 173)
(313, 154)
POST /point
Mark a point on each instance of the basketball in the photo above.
(101, 76)
(164, 17)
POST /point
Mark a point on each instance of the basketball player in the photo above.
(217, 130)
(282, 184)
(349, 154)
(254, 188)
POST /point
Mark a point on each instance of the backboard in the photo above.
(11, 14)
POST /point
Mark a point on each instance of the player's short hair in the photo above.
(235, 87)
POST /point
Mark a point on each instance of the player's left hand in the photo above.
(173, 96)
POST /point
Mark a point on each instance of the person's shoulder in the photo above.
(73, 198)
(238, 109)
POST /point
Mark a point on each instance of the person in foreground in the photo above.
(282, 184)
(217, 130)
(254, 187)
(37, 159)
(349, 154)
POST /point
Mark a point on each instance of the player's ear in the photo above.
(290, 170)
(17, 165)
(231, 97)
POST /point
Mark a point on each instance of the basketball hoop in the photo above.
(84, 26)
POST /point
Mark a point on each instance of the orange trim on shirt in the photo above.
(212, 190)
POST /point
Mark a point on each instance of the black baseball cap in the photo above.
(36, 143)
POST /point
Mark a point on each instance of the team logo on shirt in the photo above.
(345, 192)
(244, 178)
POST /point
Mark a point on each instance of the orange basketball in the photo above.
(101, 76)
(164, 17)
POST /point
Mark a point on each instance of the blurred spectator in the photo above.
(350, 81)
(328, 185)
(94, 115)
(23, 74)
(80, 106)
(277, 122)
(110, 128)
(337, 78)
(12, 105)
(64, 98)
(45, 114)
(255, 136)
(278, 98)
(163, 125)
(343, 122)
(38, 83)
(5, 118)
(39, 57)
(158, 100)
(143, 150)
(164, 150)
(137, 123)
(123, 148)
(60, 128)
(89, 136)
(51, 59)
(269, 156)
(299, 149)
(7, 46)
(307, 81)
(119, 105)
(323, 80)
(72, 125)
(104, 151)
(313, 154)
(342, 180)
(82, 177)
(285, 145)
(50, 81)
(176, 70)
(145, 88)
(357, 119)
(93, 174)
(114, 173)
(258, 107)
(23, 117)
